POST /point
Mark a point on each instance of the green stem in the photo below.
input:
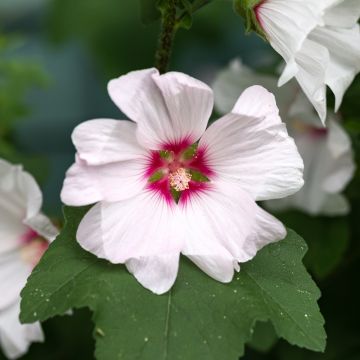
(197, 5)
(167, 35)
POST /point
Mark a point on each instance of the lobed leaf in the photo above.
(198, 319)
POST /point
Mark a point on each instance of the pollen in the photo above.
(179, 179)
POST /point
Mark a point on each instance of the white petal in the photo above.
(141, 232)
(43, 226)
(338, 140)
(290, 70)
(224, 226)
(335, 205)
(236, 78)
(313, 60)
(167, 108)
(15, 338)
(13, 274)
(22, 188)
(11, 227)
(257, 102)
(103, 141)
(86, 185)
(260, 156)
(190, 103)
(342, 166)
(143, 226)
(344, 50)
(287, 23)
(327, 171)
(345, 14)
(156, 273)
(20, 201)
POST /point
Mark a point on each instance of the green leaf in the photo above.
(199, 318)
(327, 239)
(149, 11)
(264, 337)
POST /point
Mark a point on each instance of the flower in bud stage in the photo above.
(319, 41)
(164, 184)
(25, 233)
(327, 152)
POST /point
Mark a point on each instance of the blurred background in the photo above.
(56, 57)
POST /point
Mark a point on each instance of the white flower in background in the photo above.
(320, 42)
(159, 195)
(327, 152)
(23, 230)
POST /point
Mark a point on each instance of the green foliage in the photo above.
(327, 239)
(16, 78)
(199, 318)
(264, 337)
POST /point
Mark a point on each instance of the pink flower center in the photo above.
(33, 247)
(178, 171)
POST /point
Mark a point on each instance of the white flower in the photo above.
(327, 152)
(320, 42)
(136, 171)
(23, 230)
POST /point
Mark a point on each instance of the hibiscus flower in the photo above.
(327, 152)
(25, 234)
(320, 42)
(164, 184)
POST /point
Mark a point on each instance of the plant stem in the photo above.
(167, 35)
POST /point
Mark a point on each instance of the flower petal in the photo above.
(20, 201)
(313, 60)
(86, 185)
(190, 103)
(112, 230)
(14, 272)
(167, 108)
(224, 226)
(43, 226)
(15, 338)
(345, 14)
(335, 205)
(235, 79)
(255, 152)
(156, 273)
(329, 166)
(344, 50)
(103, 141)
(257, 102)
(288, 23)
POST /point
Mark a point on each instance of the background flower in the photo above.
(327, 152)
(24, 233)
(320, 42)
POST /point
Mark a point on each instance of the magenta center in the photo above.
(178, 171)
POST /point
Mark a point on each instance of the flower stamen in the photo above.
(179, 179)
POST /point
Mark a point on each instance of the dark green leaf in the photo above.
(327, 238)
(199, 318)
(264, 337)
